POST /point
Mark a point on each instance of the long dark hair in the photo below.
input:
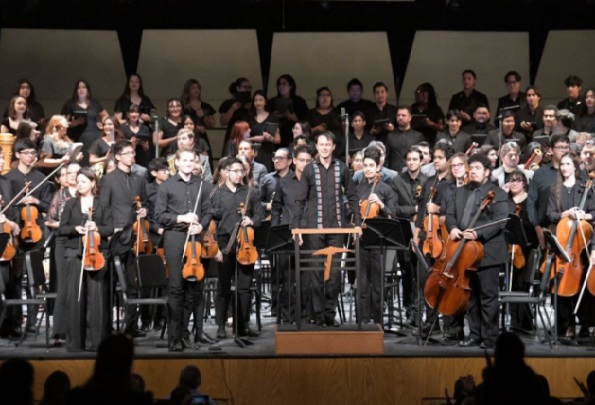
(75, 96)
(560, 179)
(90, 174)
(266, 101)
(32, 96)
(126, 92)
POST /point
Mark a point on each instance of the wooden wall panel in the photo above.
(313, 381)
(439, 57)
(317, 59)
(53, 60)
(565, 53)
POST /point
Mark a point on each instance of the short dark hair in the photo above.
(559, 138)
(507, 113)
(358, 114)
(414, 149)
(372, 153)
(158, 164)
(231, 160)
(480, 158)
(190, 377)
(354, 82)
(446, 148)
(481, 105)
(453, 113)
(404, 107)
(573, 80)
(301, 149)
(534, 89)
(514, 73)
(471, 72)
(120, 145)
(328, 135)
(23, 144)
(379, 84)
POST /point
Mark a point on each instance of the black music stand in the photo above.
(384, 234)
(555, 249)
(515, 235)
(280, 242)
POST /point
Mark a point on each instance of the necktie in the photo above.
(469, 209)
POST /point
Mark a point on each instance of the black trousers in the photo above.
(371, 273)
(61, 306)
(87, 322)
(227, 271)
(283, 286)
(181, 293)
(483, 303)
(324, 295)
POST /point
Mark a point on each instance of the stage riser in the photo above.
(322, 380)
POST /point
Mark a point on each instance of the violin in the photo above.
(519, 260)
(433, 245)
(10, 251)
(93, 259)
(369, 210)
(31, 231)
(193, 269)
(270, 215)
(246, 253)
(566, 232)
(210, 246)
(141, 229)
(160, 251)
(447, 288)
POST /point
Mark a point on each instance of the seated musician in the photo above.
(564, 203)
(510, 154)
(460, 212)
(372, 192)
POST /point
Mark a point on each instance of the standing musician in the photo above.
(510, 154)
(284, 206)
(327, 183)
(408, 194)
(225, 206)
(539, 189)
(38, 202)
(8, 222)
(483, 303)
(88, 312)
(118, 191)
(564, 202)
(282, 162)
(381, 199)
(159, 170)
(68, 191)
(176, 199)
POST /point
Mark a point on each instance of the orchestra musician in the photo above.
(87, 310)
(327, 183)
(483, 304)
(564, 202)
(176, 199)
(118, 191)
(225, 206)
(510, 154)
(26, 154)
(284, 206)
(408, 194)
(373, 191)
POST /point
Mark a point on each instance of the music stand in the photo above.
(280, 242)
(555, 250)
(384, 234)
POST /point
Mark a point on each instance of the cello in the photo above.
(447, 289)
(566, 232)
(433, 245)
(141, 229)
(193, 268)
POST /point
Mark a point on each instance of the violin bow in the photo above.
(477, 228)
(11, 202)
(194, 212)
(49, 176)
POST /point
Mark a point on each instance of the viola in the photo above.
(471, 148)
(447, 289)
(574, 235)
(369, 210)
(193, 269)
(141, 229)
(529, 163)
(210, 246)
(93, 259)
(246, 253)
(10, 251)
(433, 245)
(31, 231)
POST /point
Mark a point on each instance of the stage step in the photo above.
(346, 339)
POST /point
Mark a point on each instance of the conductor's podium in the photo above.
(300, 339)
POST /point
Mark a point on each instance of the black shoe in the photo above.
(188, 344)
(8, 333)
(470, 343)
(204, 338)
(145, 327)
(332, 323)
(321, 323)
(426, 328)
(221, 332)
(454, 336)
(135, 333)
(176, 346)
(487, 344)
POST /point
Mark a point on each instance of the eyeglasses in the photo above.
(275, 158)
(131, 153)
(566, 147)
(302, 160)
(29, 152)
(457, 165)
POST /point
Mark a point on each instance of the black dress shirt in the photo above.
(285, 205)
(178, 197)
(43, 193)
(384, 192)
(118, 190)
(224, 209)
(73, 216)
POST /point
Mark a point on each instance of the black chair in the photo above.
(151, 275)
(36, 291)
